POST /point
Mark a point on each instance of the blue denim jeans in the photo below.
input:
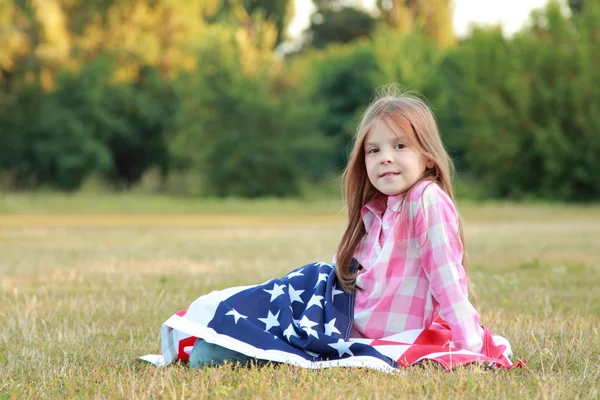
(206, 354)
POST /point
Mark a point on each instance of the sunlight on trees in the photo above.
(108, 90)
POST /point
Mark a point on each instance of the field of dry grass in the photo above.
(83, 293)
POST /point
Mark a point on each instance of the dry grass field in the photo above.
(84, 288)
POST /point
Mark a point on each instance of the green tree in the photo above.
(47, 144)
(528, 107)
(333, 22)
(87, 124)
(433, 17)
(243, 131)
(576, 6)
(492, 97)
(34, 40)
(148, 108)
(279, 12)
(18, 132)
(342, 78)
(562, 54)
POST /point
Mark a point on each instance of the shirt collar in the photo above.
(394, 202)
(379, 204)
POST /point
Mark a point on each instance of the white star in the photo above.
(236, 315)
(289, 332)
(294, 274)
(322, 278)
(342, 347)
(306, 322)
(310, 331)
(330, 328)
(335, 292)
(270, 321)
(323, 264)
(307, 325)
(295, 294)
(314, 301)
(276, 291)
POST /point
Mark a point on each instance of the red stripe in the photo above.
(181, 313)
(183, 343)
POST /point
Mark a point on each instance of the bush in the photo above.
(45, 142)
(131, 120)
(87, 125)
(341, 78)
(243, 132)
(529, 106)
(19, 113)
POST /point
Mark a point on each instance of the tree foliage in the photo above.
(246, 133)
(87, 125)
(114, 89)
(342, 78)
(576, 6)
(278, 12)
(334, 22)
(433, 17)
(529, 107)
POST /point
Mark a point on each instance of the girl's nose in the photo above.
(386, 158)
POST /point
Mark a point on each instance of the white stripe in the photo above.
(203, 309)
(190, 328)
(395, 352)
(404, 337)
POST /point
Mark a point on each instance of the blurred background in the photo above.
(260, 98)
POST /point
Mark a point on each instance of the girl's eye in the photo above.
(399, 146)
(372, 151)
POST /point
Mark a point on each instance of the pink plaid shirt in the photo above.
(412, 273)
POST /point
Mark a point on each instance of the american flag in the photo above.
(305, 319)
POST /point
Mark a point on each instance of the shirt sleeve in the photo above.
(441, 250)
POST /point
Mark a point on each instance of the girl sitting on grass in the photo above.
(403, 228)
(400, 265)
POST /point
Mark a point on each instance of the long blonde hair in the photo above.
(409, 115)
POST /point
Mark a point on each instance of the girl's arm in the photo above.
(441, 251)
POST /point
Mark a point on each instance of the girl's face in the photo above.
(392, 164)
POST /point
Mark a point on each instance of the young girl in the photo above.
(403, 228)
(400, 264)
